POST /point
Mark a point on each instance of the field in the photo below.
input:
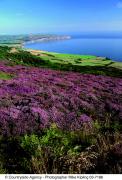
(59, 113)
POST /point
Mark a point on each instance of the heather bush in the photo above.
(50, 120)
(36, 98)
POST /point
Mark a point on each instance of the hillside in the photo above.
(66, 62)
(19, 40)
(59, 113)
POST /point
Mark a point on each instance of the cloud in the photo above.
(119, 4)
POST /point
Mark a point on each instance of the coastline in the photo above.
(57, 38)
(30, 39)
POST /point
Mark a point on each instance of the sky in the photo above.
(59, 16)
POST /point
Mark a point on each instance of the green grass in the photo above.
(79, 60)
(85, 64)
(5, 76)
(117, 65)
(74, 59)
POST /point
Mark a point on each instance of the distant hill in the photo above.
(20, 39)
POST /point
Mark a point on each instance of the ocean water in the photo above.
(106, 47)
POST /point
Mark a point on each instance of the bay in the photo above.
(105, 47)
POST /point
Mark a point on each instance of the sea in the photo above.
(105, 46)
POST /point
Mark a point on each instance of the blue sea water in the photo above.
(106, 47)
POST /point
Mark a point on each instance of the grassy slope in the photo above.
(5, 76)
(84, 64)
(79, 60)
(67, 62)
(81, 63)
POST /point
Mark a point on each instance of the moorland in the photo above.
(59, 113)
